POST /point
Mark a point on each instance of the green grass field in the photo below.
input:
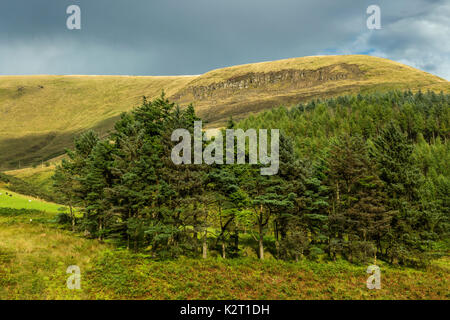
(34, 256)
(17, 201)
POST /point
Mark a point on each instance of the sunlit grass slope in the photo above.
(34, 258)
(13, 200)
(374, 67)
(39, 115)
(239, 90)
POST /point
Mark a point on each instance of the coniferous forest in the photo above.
(363, 177)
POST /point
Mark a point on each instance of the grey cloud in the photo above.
(190, 37)
(421, 40)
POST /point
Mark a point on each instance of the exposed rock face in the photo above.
(289, 79)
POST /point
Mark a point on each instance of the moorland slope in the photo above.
(40, 115)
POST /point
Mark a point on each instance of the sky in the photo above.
(176, 37)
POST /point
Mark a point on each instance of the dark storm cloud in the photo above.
(163, 37)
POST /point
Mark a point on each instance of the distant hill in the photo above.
(40, 115)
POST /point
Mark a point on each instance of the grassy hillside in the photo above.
(240, 90)
(34, 256)
(14, 200)
(39, 115)
(40, 177)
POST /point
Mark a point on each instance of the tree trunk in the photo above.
(72, 216)
(337, 193)
(261, 247)
(100, 228)
(236, 237)
(222, 231)
(261, 233)
(205, 245)
(277, 242)
(194, 233)
(260, 242)
(223, 250)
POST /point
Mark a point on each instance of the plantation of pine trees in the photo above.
(361, 178)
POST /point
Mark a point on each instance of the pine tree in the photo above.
(360, 215)
(398, 171)
(67, 177)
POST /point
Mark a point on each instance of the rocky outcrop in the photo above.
(290, 79)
